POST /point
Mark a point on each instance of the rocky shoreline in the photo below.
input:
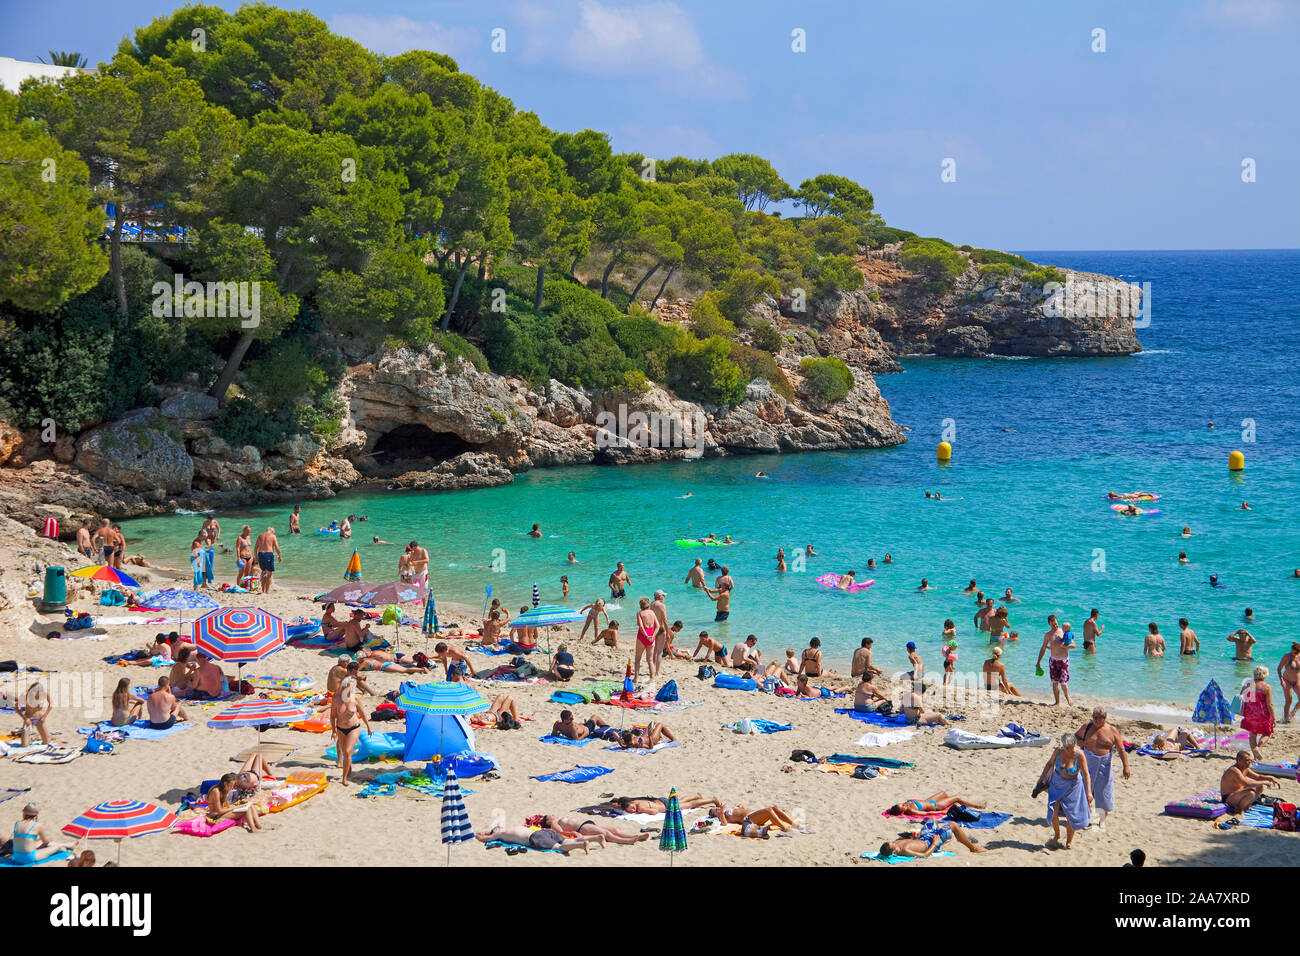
(416, 419)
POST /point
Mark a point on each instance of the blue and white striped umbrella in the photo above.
(548, 615)
(443, 697)
(430, 625)
(455, 821)
(537, 595)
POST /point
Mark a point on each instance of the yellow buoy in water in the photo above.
(945, 451)
(1236, 461)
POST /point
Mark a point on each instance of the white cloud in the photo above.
(1252, 13)
(655, 39)
(394, 34)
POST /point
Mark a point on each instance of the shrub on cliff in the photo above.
(831, 274)
(877, 236)
(454, 347)
(766, 337)
(707, 319)
(704, 371)
(983, 256)
(829, 379)
(1040, 277)
(996, 271)
(756, 363)
(741, 292)
(934, 259)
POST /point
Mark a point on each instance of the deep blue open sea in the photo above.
(1038, 443)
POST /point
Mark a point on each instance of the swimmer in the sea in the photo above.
(846, 580)
(1245, 506)
(1214, 581)
(573, 558)
(871, 562)
(812, 554)
(760, 474)
(970, 588)
(925, 585)
(1182, 557)
(1009, 598)
(377, 540)
(889, 558)
(1186, 532)
(687, 495)
(536, 532)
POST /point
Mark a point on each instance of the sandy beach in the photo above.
(841, 815)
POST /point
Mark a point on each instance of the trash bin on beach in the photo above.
(56, 591)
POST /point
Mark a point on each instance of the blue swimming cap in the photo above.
(911, 645)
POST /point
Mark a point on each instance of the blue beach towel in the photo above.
(763, 725)
(879, 720)
(52, 858)
(137, 730)
(641, 752)
(578, 774)
(893, 860)
(983, 819)
(556, 739)
(887, 762)
(494, 844)
(1259, 817)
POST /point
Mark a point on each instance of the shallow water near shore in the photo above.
(1038, 444)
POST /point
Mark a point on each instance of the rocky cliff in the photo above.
(414, 419)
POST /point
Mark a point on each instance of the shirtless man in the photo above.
(618, 582)
(164, 709)
(345, 667)
(419, 565)
(546, 839)
(970, 588)
(356, 632)
(1099, 741)
(581, 826)
(1244, 641)
(103, 540)
(536, 532)
(1240, 786)
(984, 616)
(651, 805)
(267, 550)
(710, 647)
(1010, 598)
(84, 547)
(861, 665)
(695, 576)
(568, 727)
(295, 520)
(450, 657)
(1092, 629)
(593, 612)
(1058, 664)
(934, 834)
(1187, 639)
(924, 585)
(1288, 672)
(209, 682)
(722, 596)
(745, 656)
(994, 668)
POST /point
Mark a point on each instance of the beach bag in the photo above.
(745, 726)
(668, 692)
(79, 623)
(1284, 817)
(8, 667)
(112, 598)
(865, 773)
(96, 746)
(507, 722)
(392, 615)
(706, 672)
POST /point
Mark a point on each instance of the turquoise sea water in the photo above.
(1038, 443)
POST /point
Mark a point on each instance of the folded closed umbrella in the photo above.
(353, 572)
(672, 839)
(455, 820)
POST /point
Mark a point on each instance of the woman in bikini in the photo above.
(653, 805)
(647, 626)
(766, 817)
(221, 806)
(811, 661)
(935, 803)
(502, 704)
(126, 705)
(580, 828)
(1288, 675)
(346, 718)
(1069, 791)
(647, 739)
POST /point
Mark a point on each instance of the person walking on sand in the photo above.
(647, 627)
(1057, 644)
(346, 717)
(1099, 741)
(267, 549)
(661, 636)
(1069, 793)
(1288, 674)
(594, 612)
(1257, 711)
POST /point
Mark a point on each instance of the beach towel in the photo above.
(762, 725)
(292, 684)
(634, 703)
(557, 739)
(200, 827)
(1258, 817)
(1205, 805)
(136, 730)
(1070, 794)
(578, 774)
(886, 737)
(62, 855)
(1102, 778)
(976, 819)
(587, 693)
(888, 763)
(497, 844)
(640, 752)
(880, 720)
(893, 860)
(50, 754)
(8, 793)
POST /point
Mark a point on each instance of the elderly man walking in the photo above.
(1099, 741)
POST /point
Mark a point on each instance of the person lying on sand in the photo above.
(934, 834)
(593, 726)
(934, 803)
(377, 660)
(538, 839)
(1177, 740)
(501, 704)
(653, 805)
(1241, 787)
(754, 822)
(646, 739)
(574, 826)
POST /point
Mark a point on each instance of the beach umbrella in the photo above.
(537, 595)
(455, 821)
(548, 616)
(177, 599)
(353, 572)
(120, 820)
(239, 634)
(1212, 708)
(438, 699)
(487, 594)
(347, 593)
(102, 572)
(395, 592)
(673, 837)
(259, 713)
(430, 624)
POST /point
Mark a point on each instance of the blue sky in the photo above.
(1055, 146)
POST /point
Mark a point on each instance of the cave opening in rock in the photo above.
(411, 443)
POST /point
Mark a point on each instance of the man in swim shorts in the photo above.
(1189, 642)
(419, 565)
(267, 550)
(618, 582)
(695, 576)
(1240, 786)
(1092, 629)
(164, 709)
(1056, 643)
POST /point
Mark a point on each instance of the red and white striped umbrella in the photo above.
(256, 712)
(239, 634)
(120, 820)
